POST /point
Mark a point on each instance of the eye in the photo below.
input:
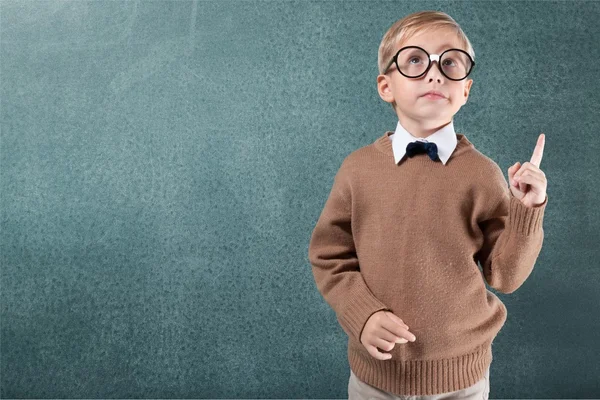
(417, 58)
(449, 59)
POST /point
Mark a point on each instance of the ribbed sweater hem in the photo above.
(420, 377)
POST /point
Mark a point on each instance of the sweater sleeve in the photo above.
(335, 264)
(513, 236)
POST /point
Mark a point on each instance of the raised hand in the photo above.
(528, 182)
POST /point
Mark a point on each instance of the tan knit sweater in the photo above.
(406, 238)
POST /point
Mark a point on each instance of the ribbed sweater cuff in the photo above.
(526, 220)
(361, 305)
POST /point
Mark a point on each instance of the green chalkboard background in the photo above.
(163, 164)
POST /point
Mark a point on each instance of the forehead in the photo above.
(434, 42)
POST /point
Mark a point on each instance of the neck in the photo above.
(422, 129)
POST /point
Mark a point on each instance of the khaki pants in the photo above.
(359, 390)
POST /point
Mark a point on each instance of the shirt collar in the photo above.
(444, 138)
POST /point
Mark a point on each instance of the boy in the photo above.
(407, 221)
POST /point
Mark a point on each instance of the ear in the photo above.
(468, 89)
(384, 89)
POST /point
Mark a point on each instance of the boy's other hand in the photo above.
(382, 331)
(528, 182)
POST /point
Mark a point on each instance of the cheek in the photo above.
(404, 85)
(407, 93)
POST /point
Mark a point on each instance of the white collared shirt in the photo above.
(444, 138)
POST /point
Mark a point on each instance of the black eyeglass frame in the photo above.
(432, 57)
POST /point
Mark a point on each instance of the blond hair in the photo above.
(413, 24)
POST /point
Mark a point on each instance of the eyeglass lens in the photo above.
(413, 62)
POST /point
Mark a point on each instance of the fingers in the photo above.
(383, 344)
(383, 340)
(511, 173)
(390, 331)
(519, 185)
(391, 337)
(378, 344)
(538, 152)
(399, 330)
(527, 166)
(517, 172)
(530, 179)
(392, 322)
(396, 319)
(529, 170)
(377, 354)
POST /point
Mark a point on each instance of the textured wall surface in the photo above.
(163, 164)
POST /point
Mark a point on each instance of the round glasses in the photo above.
(413, 62)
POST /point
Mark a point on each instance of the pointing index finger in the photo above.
(536, 158)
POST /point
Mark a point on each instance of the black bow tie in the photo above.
(419, 147)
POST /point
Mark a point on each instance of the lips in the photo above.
(435, 92)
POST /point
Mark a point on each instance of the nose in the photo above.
(434, 71)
